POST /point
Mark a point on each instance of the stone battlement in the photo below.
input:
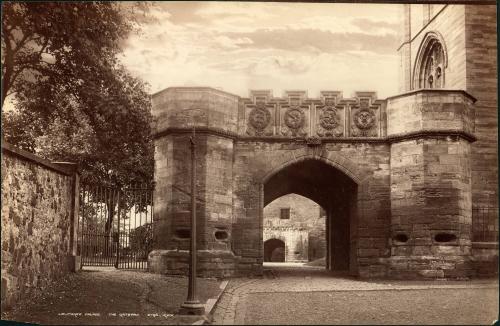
(329, 97)
(295, 115)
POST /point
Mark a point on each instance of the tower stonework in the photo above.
(431, 200)
(468, 36)
(400, 179)
(179, 112)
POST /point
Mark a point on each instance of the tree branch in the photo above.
(22, 41)
(7, 72)
(45, 43)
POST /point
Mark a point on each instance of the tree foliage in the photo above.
(74, 101)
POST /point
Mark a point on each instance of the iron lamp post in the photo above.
(192, 305)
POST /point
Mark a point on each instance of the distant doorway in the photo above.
(274, 250)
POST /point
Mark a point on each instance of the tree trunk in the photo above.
(7, 75)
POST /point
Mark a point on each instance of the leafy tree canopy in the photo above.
(74, 101)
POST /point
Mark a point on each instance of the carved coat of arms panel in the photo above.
(294, 120)
(365, 119)
(260, 119)
(330, 120)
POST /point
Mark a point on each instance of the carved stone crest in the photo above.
(294, 118)
(364, 119)
(313, 141)
(259, 118)
(328, 118)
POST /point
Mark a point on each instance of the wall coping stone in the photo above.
(433, 90)
(10, 149)
(70, 167)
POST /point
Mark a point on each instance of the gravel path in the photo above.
(290, 295)
(103, 296)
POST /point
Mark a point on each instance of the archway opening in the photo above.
(274, 250)
(300, 223)
(336, 193)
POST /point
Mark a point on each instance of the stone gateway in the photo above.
(397, 177)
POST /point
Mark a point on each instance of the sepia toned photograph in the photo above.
(249, 163)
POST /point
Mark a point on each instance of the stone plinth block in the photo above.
(210, 263)
(430, 267)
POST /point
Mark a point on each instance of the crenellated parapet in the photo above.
(327, 118)
(261, 115)
(296, 115)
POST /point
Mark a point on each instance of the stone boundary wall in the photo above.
(39, 223)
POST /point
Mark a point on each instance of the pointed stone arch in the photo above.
(341, 255)
(432, 44)
(336, 160)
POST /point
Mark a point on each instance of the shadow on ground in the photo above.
(107, 296)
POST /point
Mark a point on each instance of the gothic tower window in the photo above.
(430, 64)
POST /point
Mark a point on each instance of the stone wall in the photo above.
(295, 239)
(395, 180)
(303, 211)
(305, 217)
(39, 201)
(203, 108)
(317, 241)
(431, 202)
(368, 224)
(469, 34)
(447, 21)
(481, 82)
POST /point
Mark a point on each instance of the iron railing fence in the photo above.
(115, 226)
(484, 224)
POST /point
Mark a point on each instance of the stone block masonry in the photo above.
(469, 35)
(302, 230)
(403, 173)
(431, 199)
(39, 223)
(201, 109)
(482, 81)
(397, 178)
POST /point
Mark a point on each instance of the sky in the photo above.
(238, 46)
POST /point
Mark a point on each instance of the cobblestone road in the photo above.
(290, 295)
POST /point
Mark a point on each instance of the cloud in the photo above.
(276, 64)
(221, 10)
(366, 24)
(324, 41)
(238, 46)
(182, 12)
(231, 43)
